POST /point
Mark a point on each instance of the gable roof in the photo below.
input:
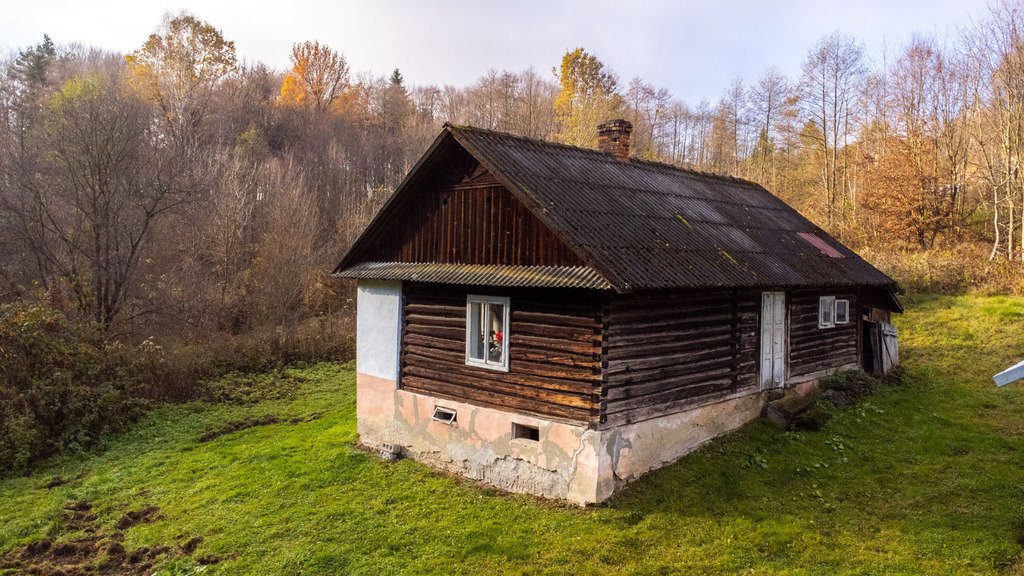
(644, 225)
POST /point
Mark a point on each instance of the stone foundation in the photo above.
(569, 462)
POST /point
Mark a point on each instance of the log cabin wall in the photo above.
(813, 349)
(554, 351)
(476, 221)
(664, 353)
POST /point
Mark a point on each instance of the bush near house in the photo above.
(62, 386)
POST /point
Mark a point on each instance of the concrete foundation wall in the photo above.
(569, 462)
(635, 449)
(563, 464)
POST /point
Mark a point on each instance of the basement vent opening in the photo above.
(524, 432)
(444, 415)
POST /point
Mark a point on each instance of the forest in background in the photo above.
(180, 199)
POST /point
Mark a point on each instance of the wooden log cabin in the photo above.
(559, 321)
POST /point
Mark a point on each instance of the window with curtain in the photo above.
(487, 332)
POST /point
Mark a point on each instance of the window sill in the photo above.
(485, 366)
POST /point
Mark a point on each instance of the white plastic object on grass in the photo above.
(1011, 374)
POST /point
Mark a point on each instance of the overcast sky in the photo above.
(692, 48)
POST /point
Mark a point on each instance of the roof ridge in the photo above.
(632, 160)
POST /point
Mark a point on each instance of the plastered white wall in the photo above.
(378, 328)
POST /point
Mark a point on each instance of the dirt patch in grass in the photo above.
(253, 422)
(191, 545)
(93, 552)
(56, 482)
(140, 516)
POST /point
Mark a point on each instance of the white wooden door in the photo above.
(773, 339)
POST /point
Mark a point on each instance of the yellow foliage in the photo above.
(141, 79)
(293, 93)
(586, 99)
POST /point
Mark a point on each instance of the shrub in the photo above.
(62, 386)
(854, 382)
(959, 270)
(181, 371)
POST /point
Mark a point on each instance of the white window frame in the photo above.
(826, 303)
(486, 300)
(835, 315)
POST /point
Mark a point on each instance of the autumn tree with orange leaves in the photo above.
(319, 76)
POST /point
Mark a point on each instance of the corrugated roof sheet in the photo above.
(645, 225)
(638, 225)
(520, 276)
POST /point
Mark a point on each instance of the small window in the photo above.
(444, 415)
(842, 311)
(524, 432)
(826, 311)
(487, 332)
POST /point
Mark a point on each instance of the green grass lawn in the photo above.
(926, 478)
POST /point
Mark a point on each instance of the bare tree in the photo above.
(833, 72)
(770, 98)
(995, 52)
(107, 180)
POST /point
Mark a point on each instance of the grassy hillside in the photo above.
(927, 478)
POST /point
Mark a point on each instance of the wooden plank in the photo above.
(691, 380)
(554, 331)
(436, 310)
(520, 315)
(666, 325)
(496, 401)
(429, 342)
(666, 372)
(654, 411)
(652, 364)
(644, 335)
(502, 387)
(657, 344)
(571, 385)
(433, 331)
(434, 320)
(521, 353)
(590, 374)
(588, 349)
(717, 383)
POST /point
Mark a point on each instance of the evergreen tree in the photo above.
(30, 67)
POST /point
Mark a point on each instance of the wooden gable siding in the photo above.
(554, 351)
(813, 349)
(475, 221)
(665, 353)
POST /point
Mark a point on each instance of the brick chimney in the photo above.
(613, 138)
